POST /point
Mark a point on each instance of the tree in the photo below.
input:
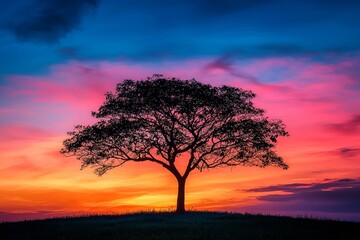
(161, 119)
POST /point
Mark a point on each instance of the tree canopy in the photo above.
(159, 119)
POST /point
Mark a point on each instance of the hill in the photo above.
(192, 225)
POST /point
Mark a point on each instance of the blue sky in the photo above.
(35, 34)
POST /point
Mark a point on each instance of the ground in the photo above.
(191, 225)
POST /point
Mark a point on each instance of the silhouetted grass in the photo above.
(192, 225)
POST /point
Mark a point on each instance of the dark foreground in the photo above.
(192, 225)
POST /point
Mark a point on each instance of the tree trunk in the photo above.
(180, 208)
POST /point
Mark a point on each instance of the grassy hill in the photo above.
(192, 225)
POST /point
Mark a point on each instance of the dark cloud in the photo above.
(349, 152)
(301, 187)
(339, 195)
(285, 188)
(48, 21)
(351, 126)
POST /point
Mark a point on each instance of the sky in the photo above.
(301, 58)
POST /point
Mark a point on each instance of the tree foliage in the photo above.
(160, 119)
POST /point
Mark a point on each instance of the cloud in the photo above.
(351, 126)
(306, 187)
(21, 132)
(67, 84)
(226, 64)
(349, 152)
(49, 21)
(335, 195)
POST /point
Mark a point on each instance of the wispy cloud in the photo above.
(335, 195)
(349, 152)
(351, 126)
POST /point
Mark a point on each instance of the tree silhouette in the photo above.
(161, 119)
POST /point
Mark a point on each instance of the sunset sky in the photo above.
(301, 58)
